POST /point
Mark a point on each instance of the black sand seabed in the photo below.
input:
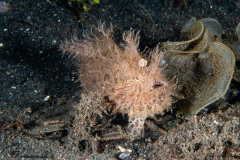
(37, 81)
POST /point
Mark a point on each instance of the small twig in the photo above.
(60, 122)
(102, 125)
(149, 15)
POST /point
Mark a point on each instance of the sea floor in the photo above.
(39, 88)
